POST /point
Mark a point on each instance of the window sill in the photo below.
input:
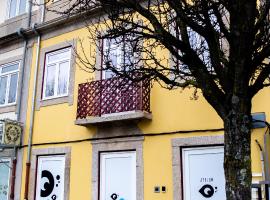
(8, 108)
(14, 19)
(54, 101)
(7, 105)
(116, 117)
(54, 97)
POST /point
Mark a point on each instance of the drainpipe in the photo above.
(267, 176)
(13, 176)
(32, 114)
(19, 102)
(261, 158)
(20, 33)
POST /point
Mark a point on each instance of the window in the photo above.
(50, 177)
(16, 7)
(4, 178)
(118, 176)
(9, 74)
(118, 53)
(57, 70)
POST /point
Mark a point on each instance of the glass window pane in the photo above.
(108, 74)
(22, 8)
(12, 8)
(3, 87)
(56, 56)
(4, 180)
(9, 68)
(13, 88)
(50, 81)
(63, 78)
(113, 57)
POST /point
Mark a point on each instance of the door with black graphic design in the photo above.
(203, 173)
(118, 176)
(50, 177)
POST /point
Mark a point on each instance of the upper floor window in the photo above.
(16, 7)
(118, 54)
(9, 74)
(57, 69)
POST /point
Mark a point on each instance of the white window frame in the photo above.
(9, 74)
(9, 163)
(18, 2)
(57, 63)
(120, 50)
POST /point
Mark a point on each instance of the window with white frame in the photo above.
(117, 52)
(9, 74)
(16, 7)
(57, 71)
(4, 178)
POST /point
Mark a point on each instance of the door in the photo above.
(118, 176)
(50, 177)
(203, 173)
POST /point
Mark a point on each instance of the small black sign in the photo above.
(207, 191)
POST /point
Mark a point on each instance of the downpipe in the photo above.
(32, 114)
(19, 97)
(13, 175)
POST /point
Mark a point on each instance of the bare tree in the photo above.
(221, 47)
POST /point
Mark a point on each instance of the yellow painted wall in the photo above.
(172, 111)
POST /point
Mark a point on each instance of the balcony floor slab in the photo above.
(115, 117)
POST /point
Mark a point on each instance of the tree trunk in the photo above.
(237, 157)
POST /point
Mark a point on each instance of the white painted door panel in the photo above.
(203, 173)
(50, 178)
(118, 176)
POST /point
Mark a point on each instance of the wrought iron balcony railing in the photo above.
(114, 95)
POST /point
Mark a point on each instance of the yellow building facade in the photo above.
(140, 153)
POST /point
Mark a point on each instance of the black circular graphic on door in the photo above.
(207, 191)
(114, 196)
(48, 186)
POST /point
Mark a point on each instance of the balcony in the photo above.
(114, 99)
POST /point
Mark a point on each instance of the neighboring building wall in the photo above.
(9, 54)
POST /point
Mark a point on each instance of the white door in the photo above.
(50, 178)
(203, 173)
(118, 176)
